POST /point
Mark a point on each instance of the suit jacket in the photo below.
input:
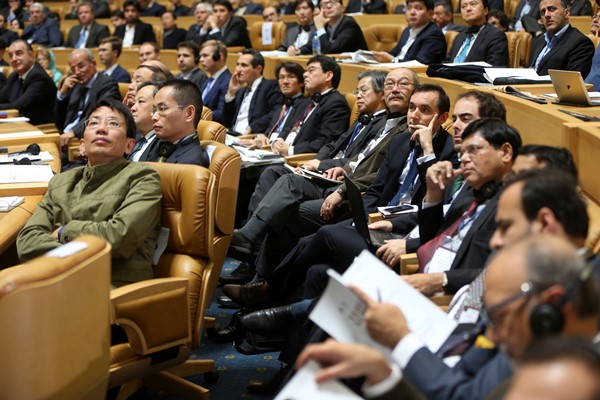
(454, 27)
(8, 36)
(143, 33)
(197, 77)
(292, 33)
(298, 107)
(534, 12)
(47, 34)
(121, 75)
(37, 99)
(326, 123)
(594, 75)
(181, 10)
(573, 52)
(101, 9)
(490, 46)
(172, 39)
(429, 46)
(193, 34)
(234, 34)
(97, 33)
(190, 152)
(347, 37)
(374, 7)
(580, 8)
(215, 99)
(156, 10)
(251, 8)
(263, 104)
(104, 87)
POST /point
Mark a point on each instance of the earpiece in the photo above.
(365, 118)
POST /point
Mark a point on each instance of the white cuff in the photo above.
(213, 31)
(385, 385)
(427, 205)
(290, 150)
(423, 159)
(406, 349)
(321, 32)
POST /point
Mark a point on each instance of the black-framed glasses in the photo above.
(487, 312)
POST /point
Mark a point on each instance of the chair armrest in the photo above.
(249, 136)
(375, 217)
(442, 300)
(409, 264)
(298, 159)
(12, 113)
(153, 313)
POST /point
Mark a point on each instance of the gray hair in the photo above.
(377, 78)
(38, 5)
(208, 6)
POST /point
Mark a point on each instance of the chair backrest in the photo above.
(207, 113)
(524, 48)
(278, 30)
(54, 318)
(450, 36)
(383, 37)
(353, 107)
(514, 51)
(594, 39)
(392, 5)
(7, 71)
(211, 130)
(123, 87)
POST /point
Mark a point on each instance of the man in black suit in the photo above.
(198, 32)
(213, 55)
(180, 10)
(251, 100)
(422, 40)
(29, 88)
(172, 34)
(42, 30)
(300, 33)
(88, 33)
(226, 27)
(525, 9)
(366, 7)
(79, 92)
(337, 32)
(562, 46)
(176, 113)
(247, 7)
(188, 57)
(443, 17)
(6, 34)
(109, 52)
(149, 51)
(151, 8)
(134, 31)
(481, 42)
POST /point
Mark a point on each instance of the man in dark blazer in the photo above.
(481, 42)
(213, 55)
(250, 100)
(422, 40)
(177, 111)
(142, 32)
(188, 57)
(562, 46)
(34, 96)
(180, 10)
(109, 52)
(337, 32)
(371, 7)
(300, 33)
(6, 34)
(172, 34)
(198, 32)
(526, 8)
(79, 93)
(151, 8)
(443, 17)
(42, 30)
(226, 27)
(92, 32)
(247, 7)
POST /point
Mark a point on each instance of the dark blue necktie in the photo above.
(408, 181)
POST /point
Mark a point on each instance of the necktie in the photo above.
(83, 92)
(408, 181)
(426, 251)
(138, 145)
(355, 132)
(298, 124)
(209, 83)
(20, 84)
(276, 127)
(461, 57)
(81, 41)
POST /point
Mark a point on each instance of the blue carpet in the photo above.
(235, 369)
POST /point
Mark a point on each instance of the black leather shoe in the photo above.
(244, 273)
(226, 302)
(228, 333)
(252, 294)
(268, 387)
(240, 244)
(270, 321)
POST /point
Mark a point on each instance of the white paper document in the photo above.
(16, 135)
(522, 73)
(43, 156)
(8, 203)
(14, 119)
(267, 33)
(340, 312)
(25, 173)
(67, 249)
(304, 387)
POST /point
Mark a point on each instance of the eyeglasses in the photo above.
(473, 149)
(327, 4)
(162, 110)
(362, 91)
(487, 312)
(595, 16)
(111, 123)
(403, 84)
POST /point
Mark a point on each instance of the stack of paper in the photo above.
(8, 203)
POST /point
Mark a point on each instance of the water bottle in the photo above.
(316, 44)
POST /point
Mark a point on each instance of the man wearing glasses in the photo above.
(110, 197)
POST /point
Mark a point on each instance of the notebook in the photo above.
(570, 88)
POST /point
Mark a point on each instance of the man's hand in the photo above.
(438, 176)
(346, 360)
(234, 85)
(329, 205)
(383, 57)
(259, 141)
(428, 284)
(68, 84)
(391, 251)
(211, 21)
(312, 165)
(383, 225)
(280, 147)
(65, 138)
(293, 50)
(320, 21)
(385, 322)
(424, 135)
(55, 233)
(335, 173)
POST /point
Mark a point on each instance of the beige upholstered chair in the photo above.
(207, 113)
(54, 313)
(211, 130)
(278, 30)
(383, 37)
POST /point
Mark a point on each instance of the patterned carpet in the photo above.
(235, 369)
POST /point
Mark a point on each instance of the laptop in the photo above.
(373, 238)
(570, 88)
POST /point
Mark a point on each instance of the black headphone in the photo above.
(289, 101)
(217, 53)
(305, 28)
(473, 29)
(489, 190)
(33, 149)
(365, 118)
(166, 149)
(22, 161)
(547, 318)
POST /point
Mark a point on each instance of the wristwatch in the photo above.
(341, 192)
(445, 281)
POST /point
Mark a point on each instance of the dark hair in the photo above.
(185, 93)
(447, 6)
(257, 58)
(443, 102)
(377, 78)
(154, 45)
(172, 14)
(27, 44)
(309, 3)
(224, 3)
(157, 73)
(134, 3)
(117, 13)
(292, 68)
(489, 105)
(428, 3)
(115, 43)
(553, 157)
(188, 44)
(88, 4)
(120, 108)
(328, 64)
(502, 18)
(557, 190)
(496, 132)
(149, 83)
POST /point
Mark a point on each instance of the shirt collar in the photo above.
(558, 34)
